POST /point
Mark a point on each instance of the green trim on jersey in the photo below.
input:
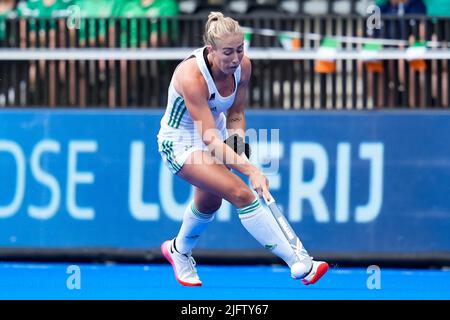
(177, 113)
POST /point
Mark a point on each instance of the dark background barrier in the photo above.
(356, 186)
(276, 84)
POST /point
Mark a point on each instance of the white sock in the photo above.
(194, 223)
(261, 224)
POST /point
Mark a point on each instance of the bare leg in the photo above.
(212, 178)
(205, 201)
(198, 215)
(212, 182)
(215, 179)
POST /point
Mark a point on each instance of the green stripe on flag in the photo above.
(329, 43)
(372, 46)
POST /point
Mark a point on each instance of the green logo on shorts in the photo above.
(270, 246)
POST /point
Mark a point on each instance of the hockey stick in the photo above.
(238, 144)
(288, 232)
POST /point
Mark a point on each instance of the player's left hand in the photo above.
(237, 143)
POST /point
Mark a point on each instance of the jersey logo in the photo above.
(212, 97)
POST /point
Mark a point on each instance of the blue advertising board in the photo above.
(347, 181)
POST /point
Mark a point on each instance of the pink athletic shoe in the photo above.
(319, 268)
(183, 265)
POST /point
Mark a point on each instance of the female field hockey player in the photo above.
(206, 102)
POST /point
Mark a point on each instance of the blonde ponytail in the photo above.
(218, 26)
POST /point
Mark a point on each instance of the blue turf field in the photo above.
(19, 280)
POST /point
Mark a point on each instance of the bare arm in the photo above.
(236, 116)
(195, 93)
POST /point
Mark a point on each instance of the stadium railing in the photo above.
(73, 67)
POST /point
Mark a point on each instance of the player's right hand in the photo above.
(260, 183)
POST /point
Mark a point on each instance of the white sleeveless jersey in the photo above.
(177, 125)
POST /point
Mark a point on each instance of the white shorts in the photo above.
(175, 153)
